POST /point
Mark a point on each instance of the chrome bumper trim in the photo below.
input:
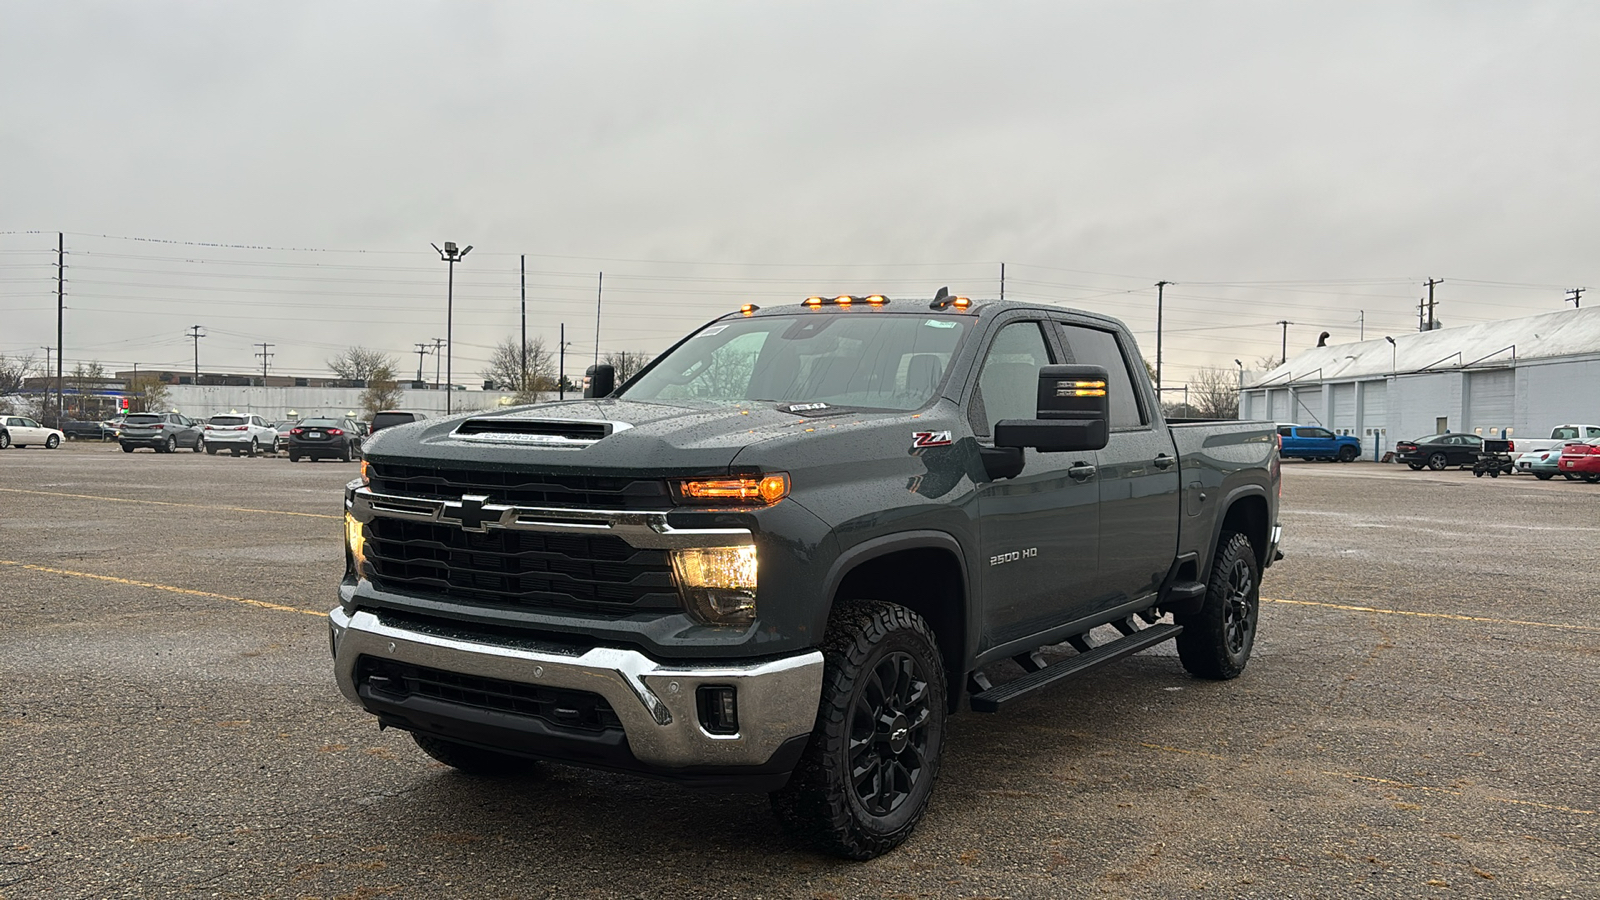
(655, 701)
(643, 530)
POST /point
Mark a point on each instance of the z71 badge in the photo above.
(930, 439)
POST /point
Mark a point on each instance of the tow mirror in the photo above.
(1074, 412)
(599, 381)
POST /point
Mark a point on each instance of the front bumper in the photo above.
(655, 702)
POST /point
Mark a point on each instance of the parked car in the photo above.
(239, 433)
(1440, 451)
(1582, 460)
(5, 435)
(20, 431)
(1314, 442)
(394, 417)
(161, 432)
(281, 443)
(1543, 464)
(79, 430)
(324, 438)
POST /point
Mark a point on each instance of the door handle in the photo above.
(1081, 472)
(1164, 461)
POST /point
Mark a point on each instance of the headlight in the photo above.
(749, 490)
(718, 584)
(355, 542)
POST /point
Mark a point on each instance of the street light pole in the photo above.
(1283, 355)
(1160, 290)
(451, 256)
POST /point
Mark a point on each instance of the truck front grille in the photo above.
(558, 707)
(519, 569)
(520, 488)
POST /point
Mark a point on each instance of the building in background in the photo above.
(1517, 377)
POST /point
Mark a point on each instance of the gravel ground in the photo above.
(1419, 720)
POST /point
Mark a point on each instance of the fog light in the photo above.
(719, 709)
(718, 584)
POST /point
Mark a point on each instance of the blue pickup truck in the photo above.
(1315, 442)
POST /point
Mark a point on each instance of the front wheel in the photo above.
(473, 760)
(1348, 454)
(1437, 462)
(52, 442)
(1592, 479)
(1216, 641)
(864, 780)
(1543, 476)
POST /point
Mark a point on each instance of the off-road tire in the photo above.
(474, 760)
(52, 442)
(1216, 641)
(867, 641)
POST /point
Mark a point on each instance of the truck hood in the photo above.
(584, 436)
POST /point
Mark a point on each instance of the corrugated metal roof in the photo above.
(1569, 332)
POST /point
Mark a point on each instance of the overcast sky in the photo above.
(1308, 162)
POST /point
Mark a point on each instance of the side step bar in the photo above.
(992, 699)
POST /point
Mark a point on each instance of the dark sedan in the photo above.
(324, 438)
(1440, 451)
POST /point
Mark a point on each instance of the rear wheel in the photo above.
(1437, 462)
(864, 780)
(200, 444)
(127, 448)
(211, 450)
(293, 456)
(233, 451)
(474, 760)
(255, 448)
(1543, 476)
(1415, 467)
(1592, 479)
(1216, 641)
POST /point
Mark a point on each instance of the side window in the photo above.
(1008, 383)
(1285, 431)
(1093, 347)
(1318, 433)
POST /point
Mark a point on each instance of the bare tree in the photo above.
(1214, 393)
(14, 371)
(383, 392)
(505, 369)
(626, 362)
(86, 379)
(147, 393)
(360, 364)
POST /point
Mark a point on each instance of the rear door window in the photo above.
(1094, 347)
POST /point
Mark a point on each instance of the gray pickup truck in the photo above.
(778, 557)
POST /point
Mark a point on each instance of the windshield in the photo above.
(873, 360)
(227, 420)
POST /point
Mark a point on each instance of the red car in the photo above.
(1582, 460)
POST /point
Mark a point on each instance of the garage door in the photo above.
(1255, 405)
(1374, 405)
(1280, 405)
(1344, 407)
(1307, 405)
(1490, 399)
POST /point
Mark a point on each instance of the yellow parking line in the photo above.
(165, 587)
(1428, 615)
(275, 512)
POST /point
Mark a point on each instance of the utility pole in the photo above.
(1363, 321)
(1002, 282)
(438, 345)
(524, 272)
(196, 334)
(1577, 295)
(61, 306)
(1432, 321)
(451, 256)
(422, 350)
(264, 357)
(1161, 287)
(561, 366)
(599, 288)
(1283, 355)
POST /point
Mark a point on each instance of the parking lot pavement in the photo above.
(1420, 719)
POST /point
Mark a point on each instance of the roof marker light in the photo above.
(748, 308)
(813, 302)
(844, 299)
(877, 300)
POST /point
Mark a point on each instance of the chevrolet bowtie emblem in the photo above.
(473, 513)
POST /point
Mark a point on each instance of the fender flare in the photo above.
(872, 548)
(1234, 496)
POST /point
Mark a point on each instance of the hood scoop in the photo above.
(539, 432)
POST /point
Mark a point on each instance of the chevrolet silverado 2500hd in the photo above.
(779, 556)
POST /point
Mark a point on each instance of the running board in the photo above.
(992, 699)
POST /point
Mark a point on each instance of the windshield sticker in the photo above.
(715, 329)
(939, 323)
(804, 407)
(930, 439)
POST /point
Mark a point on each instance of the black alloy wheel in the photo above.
(864, 780)
(1437, 462)
(1216, 641)
(1347, 454)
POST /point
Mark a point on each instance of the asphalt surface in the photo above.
(1419, 720)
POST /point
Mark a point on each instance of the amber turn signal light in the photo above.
(763, 490)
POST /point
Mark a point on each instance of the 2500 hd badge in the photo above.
(1013, 556)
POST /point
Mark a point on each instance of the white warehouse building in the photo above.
(1515, 377)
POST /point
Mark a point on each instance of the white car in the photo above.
(20, 431)
(240, 433)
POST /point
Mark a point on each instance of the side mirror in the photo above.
(599, 381)
(1074, 412)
